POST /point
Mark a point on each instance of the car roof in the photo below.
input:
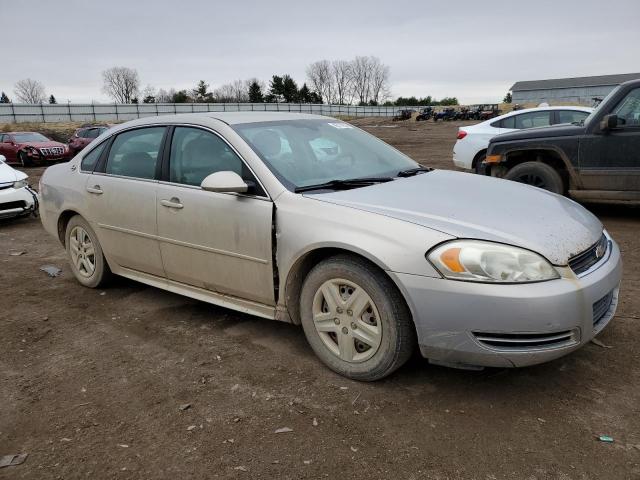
(230, 118)
(540, 109)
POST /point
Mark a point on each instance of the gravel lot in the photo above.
(93, 381)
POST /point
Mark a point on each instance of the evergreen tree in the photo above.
(255, 93)
(289, 89)
(507, 98)
(149, 99)
(4, 98)
(201, 93)
(52, 100)
(276, 89)
(180, 97)
(304, 95)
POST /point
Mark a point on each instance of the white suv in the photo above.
(471, 147)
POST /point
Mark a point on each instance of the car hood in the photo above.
(564, 130)
(465, 205)
(10, 175)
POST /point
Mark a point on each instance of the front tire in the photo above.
(85, 254)
(537, 174)
(355, 319)
(25, 161)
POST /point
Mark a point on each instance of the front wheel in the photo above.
(25, 161)
(85, 254)
(355, 319)
(537, 174)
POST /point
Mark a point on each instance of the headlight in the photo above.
(479, 261)
(20, 183)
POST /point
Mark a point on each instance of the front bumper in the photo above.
(478, 324)
(17, 202)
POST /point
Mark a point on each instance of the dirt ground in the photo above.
(92, 383)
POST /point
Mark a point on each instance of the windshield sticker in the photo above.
(340, 125)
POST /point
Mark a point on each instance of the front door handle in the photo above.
(173, 203)
(95, 190)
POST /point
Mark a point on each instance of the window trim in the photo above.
(164, 177)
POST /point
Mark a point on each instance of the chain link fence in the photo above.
(101, 112)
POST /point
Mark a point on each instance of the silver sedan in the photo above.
(309, 220)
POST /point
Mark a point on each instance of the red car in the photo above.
(84, 135)
(29, 148)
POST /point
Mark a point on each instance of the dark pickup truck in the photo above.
(597, 159)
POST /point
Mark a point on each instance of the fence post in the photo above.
(42, 111)
(93, 110)
(157, 113)
(115, 105)
(138, 109)
(13, 112)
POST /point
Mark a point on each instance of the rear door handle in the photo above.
(173, 203)
(95, 190)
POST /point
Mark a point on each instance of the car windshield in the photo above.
(311, 152)
(29, 137)
(597, 109)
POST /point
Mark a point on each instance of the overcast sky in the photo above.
(474, 50)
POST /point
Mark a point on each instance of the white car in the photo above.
(473, 140)
(16, 198)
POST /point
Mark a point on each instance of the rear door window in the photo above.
(135, 153)
(533, 119)
(89, 161)
(509, 122)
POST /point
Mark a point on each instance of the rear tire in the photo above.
(355, 319)
(537, 174)
(85, 254)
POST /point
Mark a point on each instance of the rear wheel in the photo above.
(85, 254)
(355, 320)
(537, 174)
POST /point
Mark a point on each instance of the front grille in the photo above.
(601, 308)
(526, 341)
(52, 151)
(585, 260)
(10, 205)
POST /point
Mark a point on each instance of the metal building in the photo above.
(579, 90)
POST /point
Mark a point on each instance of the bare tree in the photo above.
(163, 96)
(379, 80)
(321, 79)
(121, 83)
(240, 92)
(30, 91)
(361, 77)
(341, 79)
(224, 93)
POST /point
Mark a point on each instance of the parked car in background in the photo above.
(370, 252)
(425, 114)
(29, 148)
(402, 114)
(16, 197)
(594, 159)
(470, 149)
(84, 135)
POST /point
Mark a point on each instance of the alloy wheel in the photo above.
(347, 320)
(83, 253)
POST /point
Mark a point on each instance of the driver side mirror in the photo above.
(224, 182)
(609, 122)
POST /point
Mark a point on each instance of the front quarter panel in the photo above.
(304, 224)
